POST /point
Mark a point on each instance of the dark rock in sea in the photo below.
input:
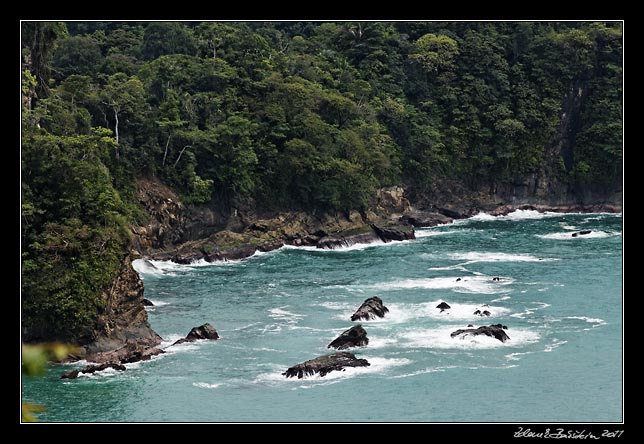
(148, 303)
(371, 308)
(581, 233)
(325, 364)
(496, 279)
(494, 331)
(424, 219)
(469, 325)
(477, 312)
(486, 313)
(332, 242)
(453, 213)
(205, 331)
(93, 369)
(356, 336)
(504, 327)
(389, 234)
(443, 306)
(133, 351)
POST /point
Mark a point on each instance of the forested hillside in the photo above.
(295, 115)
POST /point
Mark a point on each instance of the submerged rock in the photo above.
(325, 364)
(93, 369)
(581, 233)
(443, 306)
(494, 331)
(205, 331)
(356, 336)
(370, 309)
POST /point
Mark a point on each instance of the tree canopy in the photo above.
(292, 115)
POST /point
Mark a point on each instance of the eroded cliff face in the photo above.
(123, 317)
(170, 222)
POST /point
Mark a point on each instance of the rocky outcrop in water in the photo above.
(581, 233)
(370, 309)
(123, 321)
(388, 234)
(92, 369)
(495, 331)
(148, 303)
(443, 306)
(356, 336)
(425, 218)
(205, 331)
(325, 364)
(134, 350)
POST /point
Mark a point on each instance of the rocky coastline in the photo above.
(185, 234)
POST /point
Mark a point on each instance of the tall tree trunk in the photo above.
(116, 132)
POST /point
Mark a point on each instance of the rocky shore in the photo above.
(185, 234)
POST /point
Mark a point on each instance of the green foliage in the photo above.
(312, 116)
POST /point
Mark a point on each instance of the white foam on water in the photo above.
(502, 298)
(399, 313)
(529, 311)
(566, 226)
(158, 303)
(354, 247)
(288, 317)
(425, 371)
(516, 356)
(451, 267)
(568, 236)
(556, 343)
(595, 321)
(483, 216)
(206, 385)
(332, 305)
(517, 215)
(420, 233)
(483, 256)
(469, 284)
(439, 338)
(377, 365)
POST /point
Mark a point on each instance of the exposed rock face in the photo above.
(325, 364)
(389, 234)
(391, 200)
(205, 331)
(148, 303)
(425, 218)
(133, 351)
(170, 221)
(346, 241)
(443, 306)
(494, 331)
(356, 336)
(370, 309)
(93, 369)
(123, 320)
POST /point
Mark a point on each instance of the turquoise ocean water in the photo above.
(561, 298)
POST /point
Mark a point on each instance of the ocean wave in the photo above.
(484, 256)
(556, 343)
(568, 235)
(439, 338)
(288, 317)
(516, 215)
(529, 311)
(470, 284)
(420, 233)
(400, 313)
(206, 385)
(377, 365)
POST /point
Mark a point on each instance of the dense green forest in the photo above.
(292, 115)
